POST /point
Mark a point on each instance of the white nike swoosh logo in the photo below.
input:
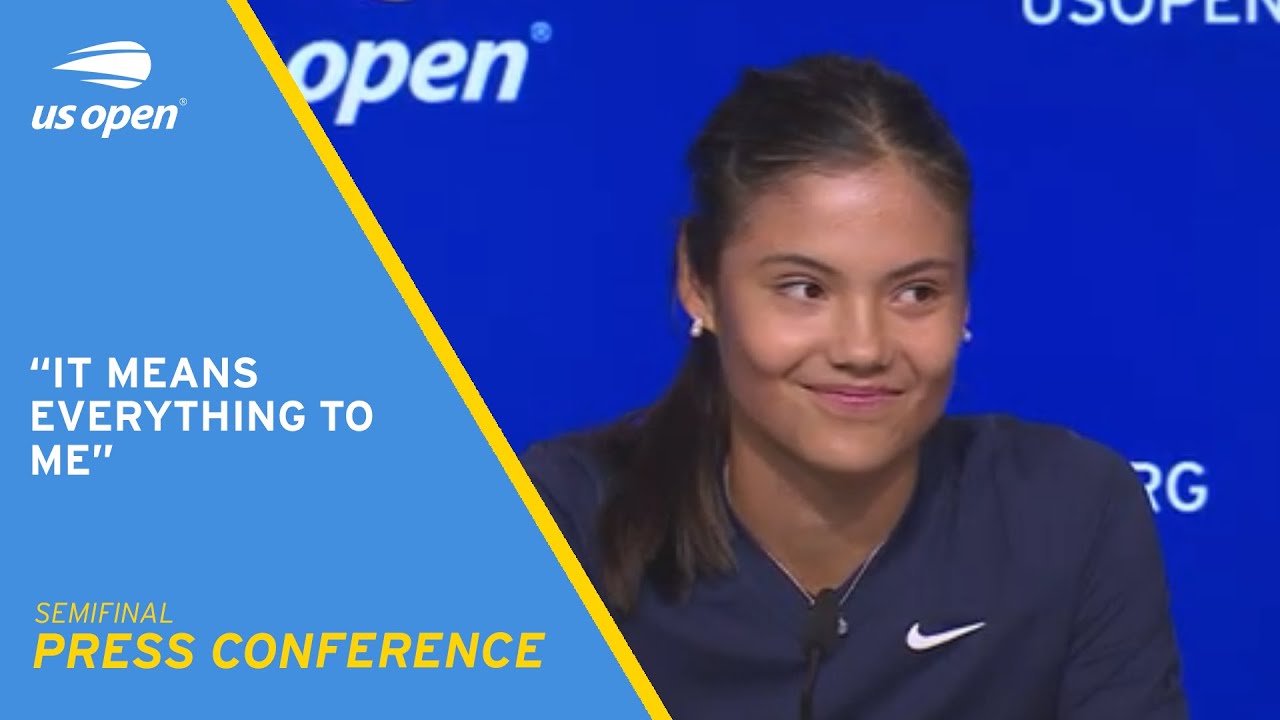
(917, 640)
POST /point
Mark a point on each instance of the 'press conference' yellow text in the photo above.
(360, 650)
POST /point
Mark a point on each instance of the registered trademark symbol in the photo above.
(540, 31)
(182, 101)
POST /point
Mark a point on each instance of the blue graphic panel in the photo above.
(181, 214)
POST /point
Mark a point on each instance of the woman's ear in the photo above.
(694, 296)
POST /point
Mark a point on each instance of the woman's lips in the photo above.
(853, 399)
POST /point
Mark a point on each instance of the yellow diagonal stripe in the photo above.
(444, 351)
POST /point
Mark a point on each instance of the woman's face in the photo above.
(839, 309)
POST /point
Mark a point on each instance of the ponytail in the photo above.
(665, 518)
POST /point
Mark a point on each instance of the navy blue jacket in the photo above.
(1037, 547)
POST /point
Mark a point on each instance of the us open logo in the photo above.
(442, 70)
(1153, 12)
(123, 65)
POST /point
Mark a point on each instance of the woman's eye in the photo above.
(801, 290)
(918, 294)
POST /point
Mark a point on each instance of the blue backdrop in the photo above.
(1125, 156)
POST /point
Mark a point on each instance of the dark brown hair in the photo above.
(664, 519)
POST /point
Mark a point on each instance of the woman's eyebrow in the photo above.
(821, 267)
(921, 266)
(797, 259)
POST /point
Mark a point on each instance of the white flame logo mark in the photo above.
(125, 63)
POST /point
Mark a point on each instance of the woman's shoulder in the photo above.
(1070, 509)
(571, 472)
(1054, 462)
(570, 463)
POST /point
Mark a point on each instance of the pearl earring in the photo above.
(695, 330)
(967, 335)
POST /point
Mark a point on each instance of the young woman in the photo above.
(797, 528)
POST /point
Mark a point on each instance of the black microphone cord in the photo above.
(819, 638)
(810, 680)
